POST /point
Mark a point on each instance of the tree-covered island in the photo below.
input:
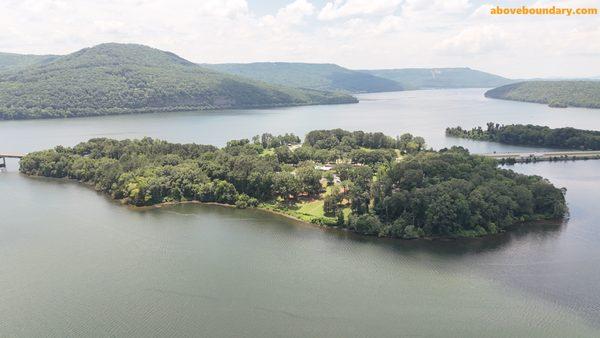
(368, 183)
(531, 135)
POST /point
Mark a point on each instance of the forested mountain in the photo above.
(424, 78)
(10, 61)
(553, 93)
(127, 78)
(387, 186)
(323, 76)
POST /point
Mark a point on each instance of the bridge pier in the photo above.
(4, 156)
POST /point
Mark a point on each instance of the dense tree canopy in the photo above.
(363, 147)
(531, 135)
(452, 192)
(407, 192)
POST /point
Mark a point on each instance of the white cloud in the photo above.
(358, 27)
(353, 33)
(562, 3)
(53, 26)
(291, 14)
(353, 27)
(340, 9)
(434, 11)
(482, 12)
(475, 40)
(390, 23)
(178, 8)
(451, 6)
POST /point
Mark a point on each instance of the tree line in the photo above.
(532, 135)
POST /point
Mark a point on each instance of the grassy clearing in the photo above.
(268, 151)
(306, 210)
(310, 211)
(312, 208)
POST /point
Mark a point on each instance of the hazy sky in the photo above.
(352, 33)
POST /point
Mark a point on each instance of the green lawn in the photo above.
(307, 210)
(313, 208)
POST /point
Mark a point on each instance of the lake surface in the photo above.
(424, 113)
(74, 263)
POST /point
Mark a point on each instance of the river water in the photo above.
(75, 263)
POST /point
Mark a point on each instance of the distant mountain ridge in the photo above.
(570, 93)
(437, 78)
(320, 76)
(325, 76)
(128, 78)
(9, 61)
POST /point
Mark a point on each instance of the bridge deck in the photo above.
(12, 155)
(577, 153)
(546, 156)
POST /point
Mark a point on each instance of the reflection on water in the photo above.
(471, 246)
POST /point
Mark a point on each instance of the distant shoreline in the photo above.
(177, 109)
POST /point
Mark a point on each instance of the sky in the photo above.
(358, 34)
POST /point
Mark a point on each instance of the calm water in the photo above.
(425, 113)
(75, 263)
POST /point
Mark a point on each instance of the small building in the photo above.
(323, 167)
(293, 147)
(336, 179)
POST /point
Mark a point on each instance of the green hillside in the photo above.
(324, 76)
(425, 78)
(554, 93)
(10, 61)
(127, 78)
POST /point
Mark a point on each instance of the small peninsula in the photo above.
(531, 135)
(559, 94)
(365, 182)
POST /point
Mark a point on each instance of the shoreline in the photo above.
(150, 110)
(122, 202)
(346, 230)
(548, 104)
(231, 206)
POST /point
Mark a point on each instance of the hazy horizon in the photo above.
(355, 34)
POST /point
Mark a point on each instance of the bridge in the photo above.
(4, 156)
(527, 157)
